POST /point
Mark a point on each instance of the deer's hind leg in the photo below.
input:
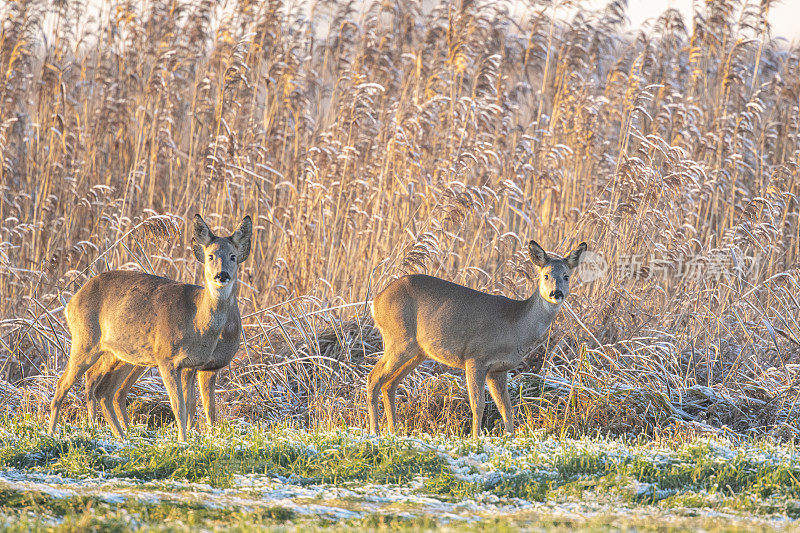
(91, 405)
(189, 379)
(82, 356)
(121, 395)
(113, 393)
(107, 407)
(390, 388)
(95, 382)
(398, 360)
(91, 379)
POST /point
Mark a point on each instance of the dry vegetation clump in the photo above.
(372, 141)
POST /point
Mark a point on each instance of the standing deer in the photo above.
(421, 317)
(145, 320)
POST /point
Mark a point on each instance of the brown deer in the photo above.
(422, 317)
(145, 320)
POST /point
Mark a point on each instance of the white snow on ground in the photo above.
(485, 460)
(252, 491)
(342, 502)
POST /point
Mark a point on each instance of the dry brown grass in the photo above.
(415, 139)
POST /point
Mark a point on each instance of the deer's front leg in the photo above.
(498, 388)
(207, 380)
(171, 375)
(476, 381)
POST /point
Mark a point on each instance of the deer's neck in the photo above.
(539, 314)
(213, 308)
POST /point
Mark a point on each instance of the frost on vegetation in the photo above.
(346, 474)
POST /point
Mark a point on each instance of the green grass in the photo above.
(87, 512)
(278, 520)
(216, 459)
(757, 478)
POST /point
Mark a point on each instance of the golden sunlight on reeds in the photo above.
(417, 138)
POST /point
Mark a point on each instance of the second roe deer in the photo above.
(147, 320)
(422, 317)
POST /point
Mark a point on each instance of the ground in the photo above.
(251, 476)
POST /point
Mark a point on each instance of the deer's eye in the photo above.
(566, 278)
(233, 258)
(211, 256)
(546, 276)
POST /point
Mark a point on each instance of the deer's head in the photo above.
(221, 255)
(554, 271)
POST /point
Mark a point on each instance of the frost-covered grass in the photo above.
(250, 476)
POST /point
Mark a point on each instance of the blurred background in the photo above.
(374, 139)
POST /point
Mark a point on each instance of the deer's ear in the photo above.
(201, 236)
(538, 255)
(574, 258)
(241, 238)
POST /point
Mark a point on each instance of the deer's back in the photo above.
(450, 322)
(131, 309)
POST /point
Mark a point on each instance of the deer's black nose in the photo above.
(223, 276)
(556, 294)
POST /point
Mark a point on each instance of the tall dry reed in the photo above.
(372, 141)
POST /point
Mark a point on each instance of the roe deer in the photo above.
(147, 320)
(421, 317)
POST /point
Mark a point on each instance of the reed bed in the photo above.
(372, 140)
